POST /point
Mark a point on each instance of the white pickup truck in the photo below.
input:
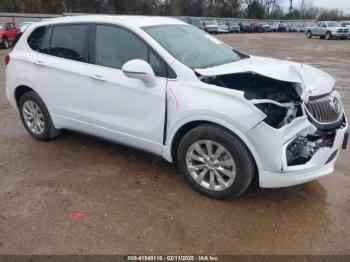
(327, 30)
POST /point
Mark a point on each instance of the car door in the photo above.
(324, 29)
(124, 109)
(59, 72)
(317, 29)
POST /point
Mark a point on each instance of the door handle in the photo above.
(98, 78)
(39, 63)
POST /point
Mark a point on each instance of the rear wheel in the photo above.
(216, 162)
(36, 118)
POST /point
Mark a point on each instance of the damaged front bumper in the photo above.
(273, 151)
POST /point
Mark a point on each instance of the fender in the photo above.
(166, 150)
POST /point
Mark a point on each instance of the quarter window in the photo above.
(36, 38)
(114, 46)
(68, 41)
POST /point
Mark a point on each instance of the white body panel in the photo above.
(105, 102)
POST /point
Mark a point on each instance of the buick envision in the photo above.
(166, 87)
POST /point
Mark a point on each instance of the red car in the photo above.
(8, 33)
(257, 27)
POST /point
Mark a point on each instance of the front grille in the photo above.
(325, 111)
(345, 30)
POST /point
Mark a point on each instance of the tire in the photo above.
(328, 36)
(309, 34)
(6, 43)
(41, 128)
(241, 171)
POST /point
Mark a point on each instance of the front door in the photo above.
(124, 109)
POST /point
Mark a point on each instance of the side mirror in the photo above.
(141, 70)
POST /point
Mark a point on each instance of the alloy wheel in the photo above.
(211, 165)
(33, 117)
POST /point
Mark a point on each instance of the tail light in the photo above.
(7, 59)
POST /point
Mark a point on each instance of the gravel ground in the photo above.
(138, 203)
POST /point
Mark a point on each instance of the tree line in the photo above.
(254, 9)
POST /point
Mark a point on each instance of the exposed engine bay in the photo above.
(282, 104)
(277, 99)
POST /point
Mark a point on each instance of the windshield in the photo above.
(192, 46)
(332, 24)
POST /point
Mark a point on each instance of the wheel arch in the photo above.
(20, 91)
(170, 153)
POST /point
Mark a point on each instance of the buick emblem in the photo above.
(335, 105)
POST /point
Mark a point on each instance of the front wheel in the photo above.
(36, 118)
(309, 34)
(216, 162)
(328, 36)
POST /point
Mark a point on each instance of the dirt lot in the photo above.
(138, 203)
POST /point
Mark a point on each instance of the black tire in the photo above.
(328, 36)
(49, 132)
(6, 43)
(309, 34)
(245, 165)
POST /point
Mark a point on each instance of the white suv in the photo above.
(166, 87)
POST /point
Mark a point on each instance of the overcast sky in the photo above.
(343, 5)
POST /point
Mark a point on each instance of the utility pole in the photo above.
(302, 9)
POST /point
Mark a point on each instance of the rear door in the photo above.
(124, 109)
(58, 69)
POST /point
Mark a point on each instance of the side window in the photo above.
(36, 38)
(114, 46)
(68, 41)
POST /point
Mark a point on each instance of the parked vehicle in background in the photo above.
(24, 25)
(211, 27)
(8, 32)
(162, 86)
(273, 27)
(345, 24)
(292, 29)
(245, 27)
(281, 27)
(223, 29)
(327, 30)
(266, 27)
(195, 21)
(257, 27)
(300, 29)
(233, 27)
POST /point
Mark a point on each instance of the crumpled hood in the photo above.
(312, 81)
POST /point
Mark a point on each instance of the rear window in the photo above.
(68, 41)
(36, 38)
